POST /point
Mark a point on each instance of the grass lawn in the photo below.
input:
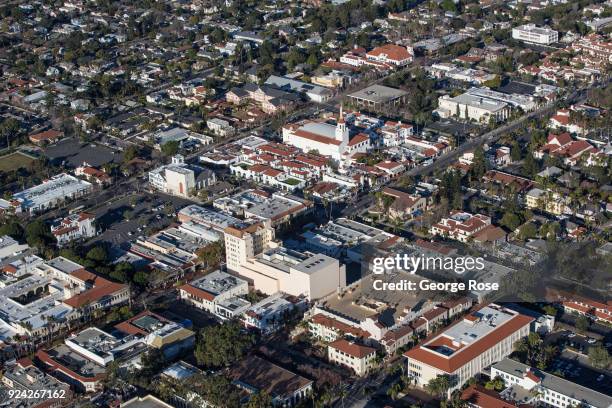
(14, 161)
(292, 182)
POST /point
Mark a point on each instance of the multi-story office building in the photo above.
(532, 34)
(528, 385)
(482, 338)
(208, 291)
(355, 356)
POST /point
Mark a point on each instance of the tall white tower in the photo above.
(342, 134)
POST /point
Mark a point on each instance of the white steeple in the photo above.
(342, 133)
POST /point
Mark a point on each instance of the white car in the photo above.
(591, 341)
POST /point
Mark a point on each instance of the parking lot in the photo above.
(74, 153)
(147, 212)
(573, 363)
(576, 368)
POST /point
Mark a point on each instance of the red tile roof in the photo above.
(470, 352)
(359, 138)
(50, 134)
(392, 51)
(479, 396)
(101, 288)
(197, 292)
(352, 349)
(317, 138)
(331, 323)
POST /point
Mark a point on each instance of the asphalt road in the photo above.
(446, 159)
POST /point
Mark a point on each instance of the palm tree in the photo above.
(342, 394)
(394, 390)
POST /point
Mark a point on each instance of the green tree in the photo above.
(496, 384)
(170, 148)
(141, 278)
(130, 153)
(528, 231)
(12, 228)
(259, 400)
(97, 254)
(582, 324)
(211, 254)
(219, 346)
(511, 220)
(218, 391)
(515, 151)
(550, 310)
(599, 357)
(123, 272)
(449, 5)
(38, 234)
(530, 165)
(439, 386)
(479, 164)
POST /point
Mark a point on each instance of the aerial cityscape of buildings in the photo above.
(314, 203)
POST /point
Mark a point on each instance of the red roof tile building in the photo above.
(469, 346)
(460, 225)
(355, 356)
(48, 136)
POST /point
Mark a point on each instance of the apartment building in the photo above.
(158, 332)
(588, 307)
(392, 54)
(278, 208)
(528, 385)
(285, 388)
(252, 254)
(532, 34)
(216, 220)
(23, 376)
(269, 314)
(246, 240)
(328, 329)
(460, 225)
(10, 247)
(357, 357)
(210, 290)
(54, 290)
(74, 227)
(384, 57)
(296, 273)
(469, 346)
(83, 358)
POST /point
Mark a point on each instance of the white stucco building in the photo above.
(482, 338)
(357, 357)
(73, 227)
(212, 289)
(327, 139)
(252, 254)
(532, 34)
(179, 178)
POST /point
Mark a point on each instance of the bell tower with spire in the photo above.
(342, 134)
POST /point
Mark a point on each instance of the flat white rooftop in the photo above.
(218, 282)
(57, 187)
(209, 217)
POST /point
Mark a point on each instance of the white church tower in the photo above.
(342, 133)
